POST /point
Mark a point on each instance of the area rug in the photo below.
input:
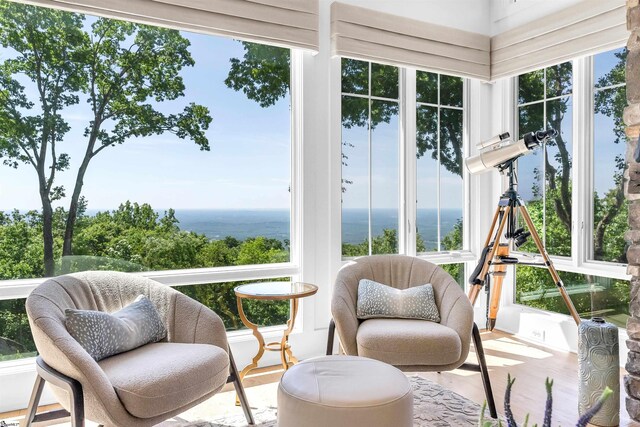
(434, 406)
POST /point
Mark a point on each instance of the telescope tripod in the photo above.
(495, 258)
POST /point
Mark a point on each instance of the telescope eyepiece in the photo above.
(543, 135)
(534, 139)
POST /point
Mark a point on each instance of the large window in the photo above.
(439, 124)
(544, 177)
(370, 158)
(552, 184)
(137, 148)
(610, 209)
(377, 167)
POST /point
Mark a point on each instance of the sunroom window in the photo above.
(140, 149)
(440, 189)
(578, 205)
(370, 158)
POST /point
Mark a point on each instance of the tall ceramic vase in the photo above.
(598, 367)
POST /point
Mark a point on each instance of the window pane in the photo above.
(384, 81)
(427, 175)
(451, 184)
(559, 80)
(591, 295)
(355, 176)
(558, 179)
(427, 87)
(529, 167)
(457, 272)
(531, 87)
(530, 118)
(610, 209)
(190, 167)
(221, 298)
(15, 334)
(440, 189)
(450, 91)
(544, 175)
(355, 76)
(609, 67)
(385, 179)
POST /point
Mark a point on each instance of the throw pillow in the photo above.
(378, 300)
(105, 334)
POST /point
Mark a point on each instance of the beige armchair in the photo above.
(410, 345)
(141, 387)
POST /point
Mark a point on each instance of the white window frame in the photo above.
(407, 208)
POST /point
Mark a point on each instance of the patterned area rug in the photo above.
(434, 406)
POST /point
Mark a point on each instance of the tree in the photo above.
(608, 209)
(118, 68)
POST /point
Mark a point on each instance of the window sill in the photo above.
(20, 288)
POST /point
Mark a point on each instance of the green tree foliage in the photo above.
(133, 237)
(118, 68)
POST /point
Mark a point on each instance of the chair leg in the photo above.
(32, 409)
(477, 342)
(73, 387)
(235, 378)
(330, 338)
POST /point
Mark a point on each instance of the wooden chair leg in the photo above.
(32, 409)
(330, 338)
(486, 381)
(46, 373)
(235, 378)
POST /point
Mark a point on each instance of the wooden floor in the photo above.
(529, 364)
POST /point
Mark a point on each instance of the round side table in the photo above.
(272, 291)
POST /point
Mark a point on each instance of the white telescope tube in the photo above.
(493, 141)
(485, 161)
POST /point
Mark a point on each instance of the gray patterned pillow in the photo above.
(103, 334)
(378, 300)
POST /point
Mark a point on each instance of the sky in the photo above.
(248, 166)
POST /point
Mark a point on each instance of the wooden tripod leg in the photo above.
(475, 289)
(496, 287)
(552, 271)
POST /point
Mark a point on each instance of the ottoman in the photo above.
(344, 391)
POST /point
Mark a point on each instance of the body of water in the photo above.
(217, 224)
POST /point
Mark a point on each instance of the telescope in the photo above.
(500, 151)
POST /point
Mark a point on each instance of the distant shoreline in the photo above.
(216, 224)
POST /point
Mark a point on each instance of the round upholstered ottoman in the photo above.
(344, 391)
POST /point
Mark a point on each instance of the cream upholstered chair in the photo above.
(141, 387)
(408, 344)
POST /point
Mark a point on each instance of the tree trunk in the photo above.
(47, 234)
(72, 215)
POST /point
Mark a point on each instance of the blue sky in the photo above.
(247, 168)
(249, 163)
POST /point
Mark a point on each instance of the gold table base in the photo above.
(287, 359)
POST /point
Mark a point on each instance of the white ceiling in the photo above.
(508, 14)
(468, 15)
(488, 17)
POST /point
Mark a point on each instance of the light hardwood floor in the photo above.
(529, 364)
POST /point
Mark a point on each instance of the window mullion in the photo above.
(370, 190)
(408, 162)
(582, 172)
(438, 171)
